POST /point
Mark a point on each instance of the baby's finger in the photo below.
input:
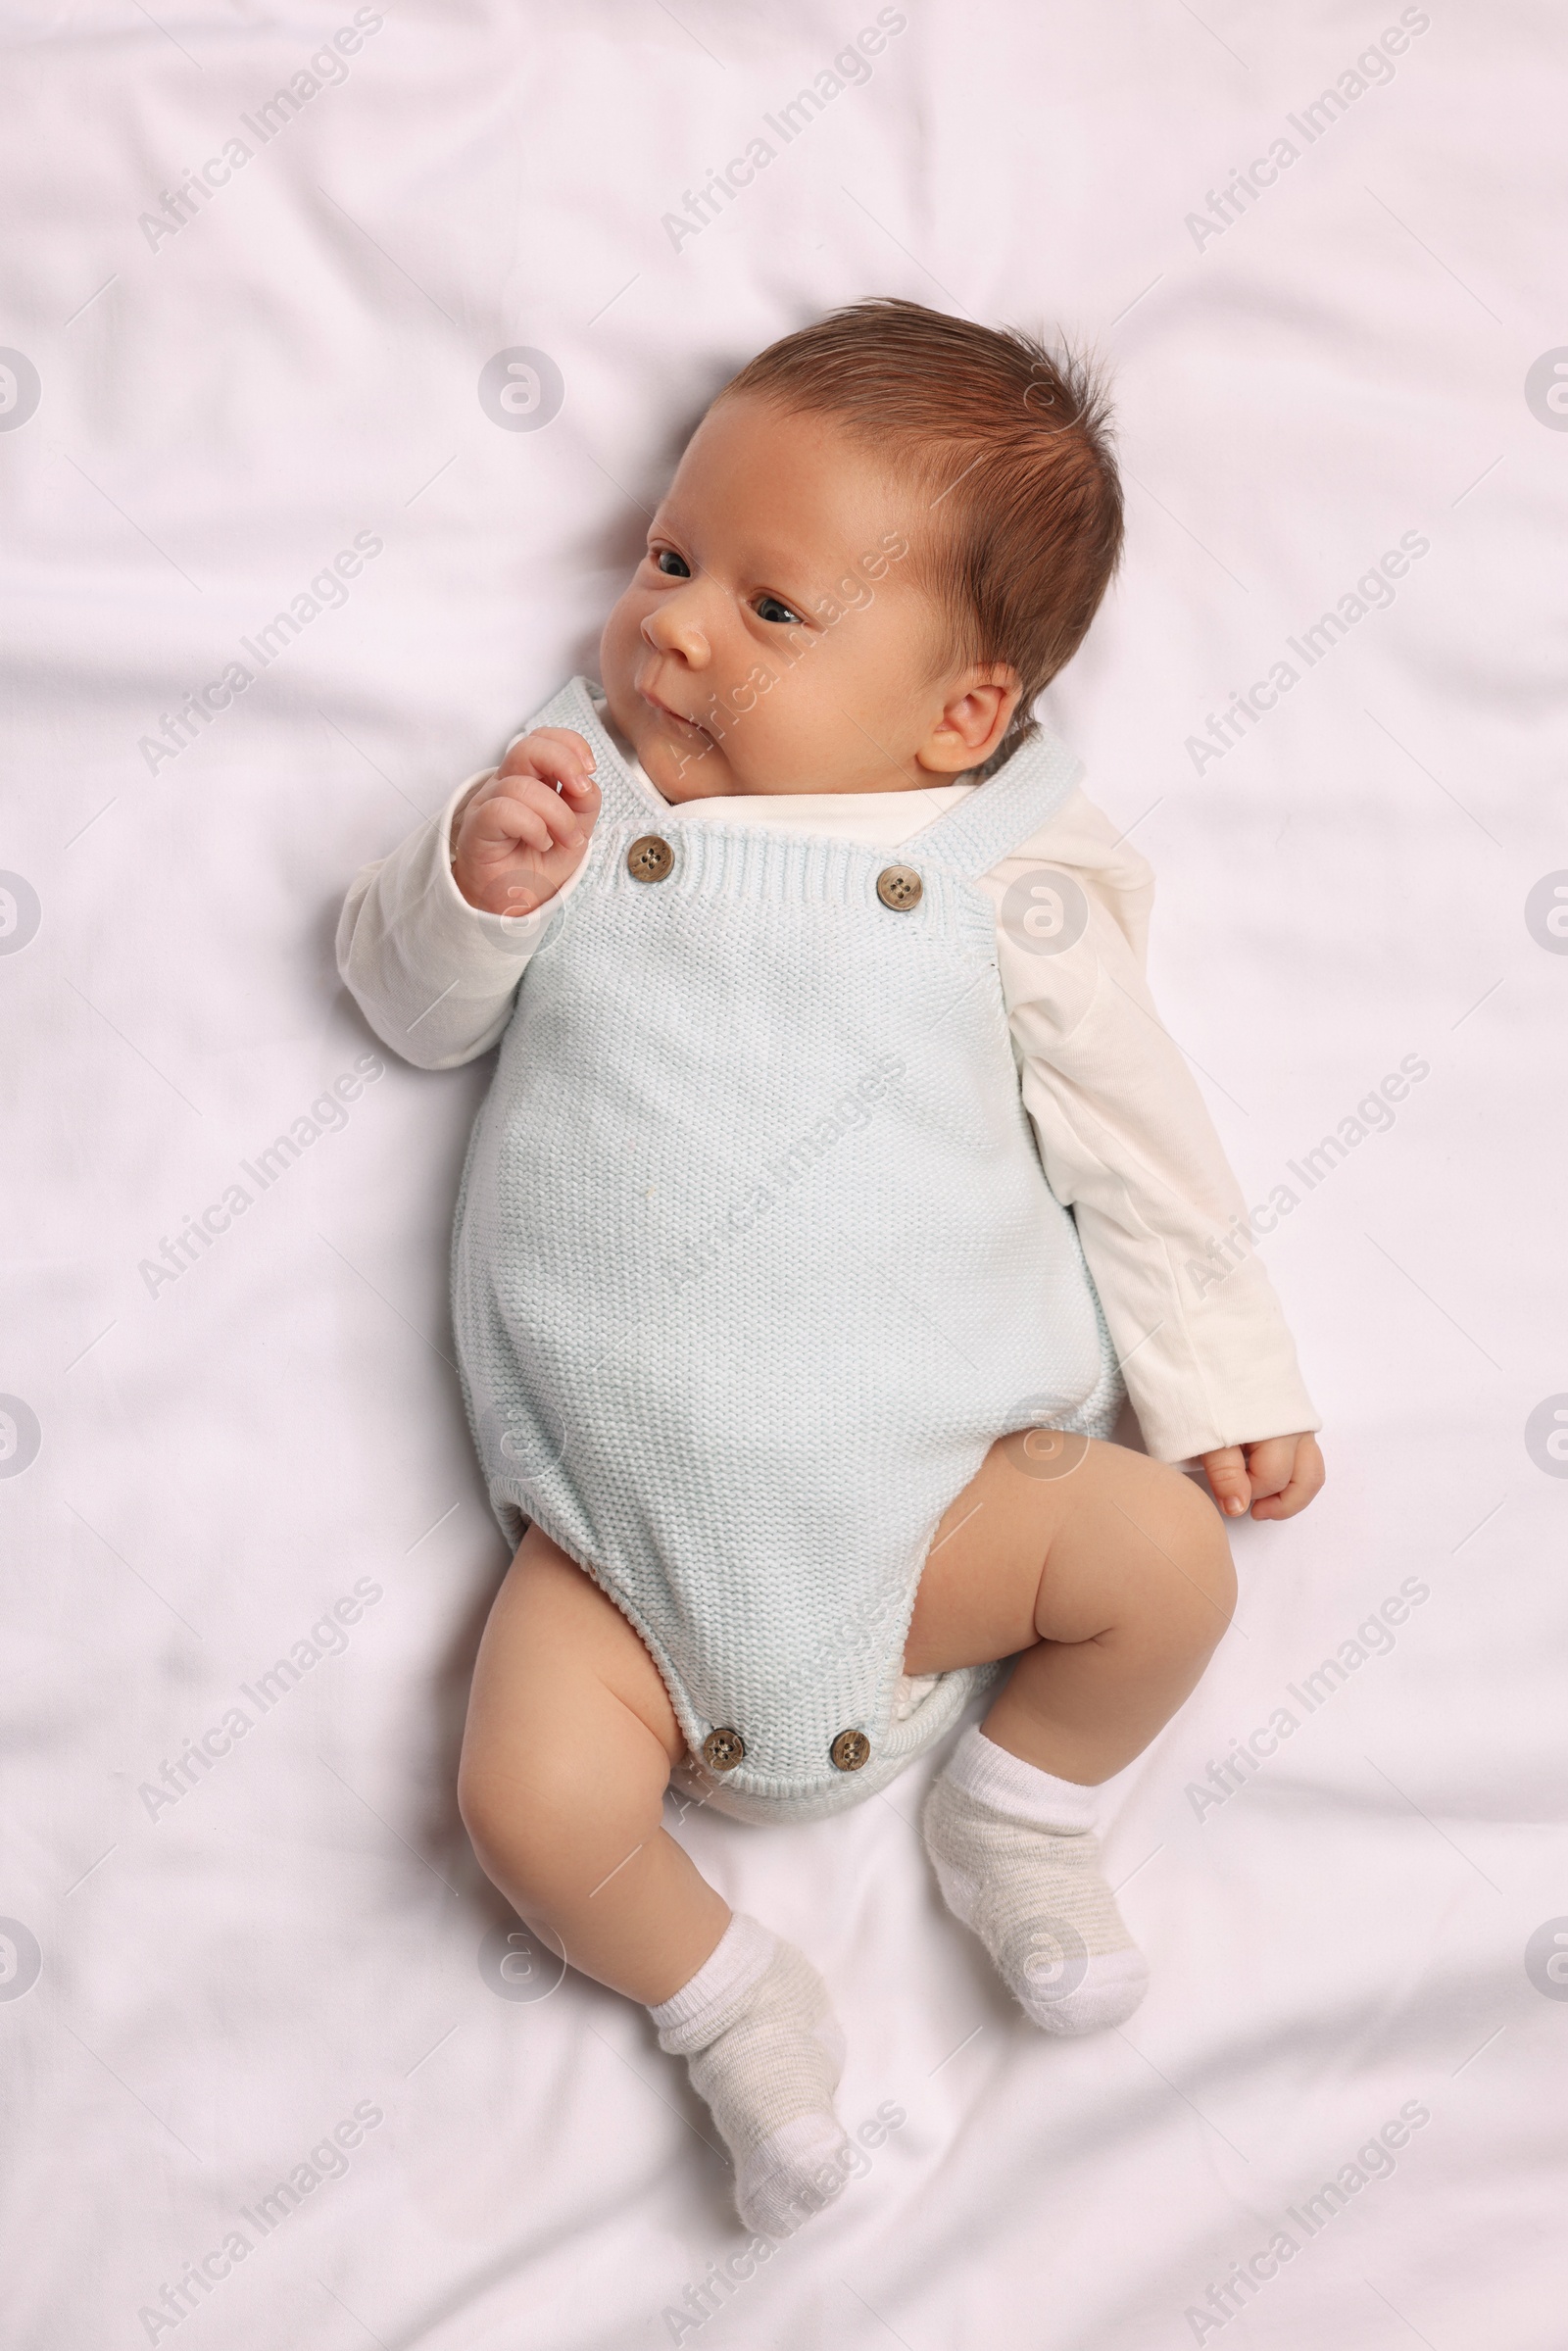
(497, 827)
(1305, 1481)
(1270, 1464)
(1229, 1483)
(562, 822)
(522, 811)
(557, 754)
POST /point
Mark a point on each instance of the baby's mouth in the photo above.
(687, 726)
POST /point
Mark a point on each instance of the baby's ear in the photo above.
(975, 714)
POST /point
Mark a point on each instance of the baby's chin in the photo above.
(683, 763)
(682, 772)
(632, 725)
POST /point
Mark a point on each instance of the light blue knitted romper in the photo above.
(754, 1259)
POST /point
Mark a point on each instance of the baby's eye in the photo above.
(672, 565)
(772, 608)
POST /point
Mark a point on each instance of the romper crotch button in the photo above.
(723, 1749)
(649, 859)
(899, 887)
(850, 1750)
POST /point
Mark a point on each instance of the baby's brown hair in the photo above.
(1012, 438)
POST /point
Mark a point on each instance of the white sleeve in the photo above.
(1127, 1143)
(433, 976)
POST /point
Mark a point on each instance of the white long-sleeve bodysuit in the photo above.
(1123, 1135)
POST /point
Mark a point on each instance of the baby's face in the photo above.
(773, 638)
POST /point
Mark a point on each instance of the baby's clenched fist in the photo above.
(518, 838)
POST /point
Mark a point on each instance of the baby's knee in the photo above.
(487, 1810)
(524, 1813)
(562, 1795)
(1193, 1537)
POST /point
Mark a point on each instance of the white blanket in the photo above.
(248, 1955)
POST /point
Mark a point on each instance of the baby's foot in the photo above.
(765, 2051)
(1016, 1862)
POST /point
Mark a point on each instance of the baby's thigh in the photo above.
(563, 1686)
(1061, 1537)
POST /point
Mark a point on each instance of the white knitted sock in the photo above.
(765, 2050)
(1016, 1862)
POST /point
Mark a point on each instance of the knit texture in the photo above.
(764, 2050)
(1017, 1863)
(1005, 1782)
(755, 1259)
(689, 2019)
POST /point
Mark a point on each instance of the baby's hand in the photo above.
(517, 838)
(1277, 1477)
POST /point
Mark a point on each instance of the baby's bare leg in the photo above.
(1108, 1577)
(568, 1750)
(565, 1760)
(1109, 1572)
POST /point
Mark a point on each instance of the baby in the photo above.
(835, 1169)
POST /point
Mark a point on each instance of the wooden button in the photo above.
(850, 1750)
(899, 887)
(723, 1749)
(649, 859)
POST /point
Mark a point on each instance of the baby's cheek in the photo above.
(618, 646)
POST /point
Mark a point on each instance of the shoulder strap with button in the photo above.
(1000, 813)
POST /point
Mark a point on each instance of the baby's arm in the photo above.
(432, 967)
(1126, 1140)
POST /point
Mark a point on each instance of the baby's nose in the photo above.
(674, 627)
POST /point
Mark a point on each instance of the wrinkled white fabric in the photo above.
(1337, 1908)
